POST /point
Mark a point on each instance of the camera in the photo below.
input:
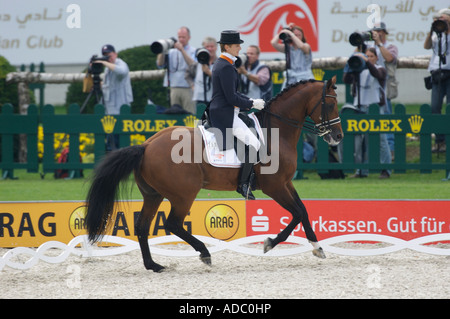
(162, 46)
(439, 26)
(240, 60)
(203, 56)
(357, 39)
(355, 64)
(96, 68)
(285, 37)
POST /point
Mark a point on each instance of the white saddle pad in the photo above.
(227, 158)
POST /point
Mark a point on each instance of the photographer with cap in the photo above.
(116, 88)
(387, 57)
(298, 54)
(180, 56)
(226, 104)
(438, 40)
(368, 84)
(256, 79)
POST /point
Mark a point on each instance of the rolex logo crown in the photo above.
(415, 122)
(108, 123)
(190, 121)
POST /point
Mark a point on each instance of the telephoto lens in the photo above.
(162, 46)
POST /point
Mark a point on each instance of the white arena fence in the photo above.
(24, 258)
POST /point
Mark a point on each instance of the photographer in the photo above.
(180, 56)
(298, 54)
(438, 40)
(368, 88)
(387, 57)
(116, 88)
(198, 74)
(256, 79)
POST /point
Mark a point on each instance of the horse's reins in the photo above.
(320, 129)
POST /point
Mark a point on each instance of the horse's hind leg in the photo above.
(174, 224)
(152, 200)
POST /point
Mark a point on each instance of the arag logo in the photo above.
(77, 221)
(270, 17)
(221, 222)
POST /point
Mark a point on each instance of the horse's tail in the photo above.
(111, 171)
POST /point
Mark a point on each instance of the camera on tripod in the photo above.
(163, 46)
(355, 64)
(286, 38)
(96, 68)
(203, 56)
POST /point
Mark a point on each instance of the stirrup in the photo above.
(246, 191)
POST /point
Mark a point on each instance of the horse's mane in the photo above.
(287, 88)
(261, 115)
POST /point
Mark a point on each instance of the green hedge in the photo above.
(8, 92)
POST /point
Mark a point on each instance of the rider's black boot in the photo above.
(246, 174)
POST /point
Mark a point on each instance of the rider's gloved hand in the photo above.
(258, 104)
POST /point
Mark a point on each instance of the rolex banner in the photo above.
(27, 224)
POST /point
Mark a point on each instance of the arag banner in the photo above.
(30, 224)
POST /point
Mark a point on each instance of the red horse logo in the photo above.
(269, 18)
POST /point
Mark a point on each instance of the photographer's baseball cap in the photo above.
(107, 48)
(444, 11)
(381, 27)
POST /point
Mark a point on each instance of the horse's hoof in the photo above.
(156, 268)
(206, 260)
(268, 244)
(205, 257)
(319, 253)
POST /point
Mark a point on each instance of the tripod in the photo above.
(287, 54)
(97, 90)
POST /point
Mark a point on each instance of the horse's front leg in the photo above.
(289, 200)
(283, 196)
(309, 232)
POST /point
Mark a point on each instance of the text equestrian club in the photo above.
(232, 308)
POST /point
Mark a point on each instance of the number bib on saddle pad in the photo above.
(227, 158)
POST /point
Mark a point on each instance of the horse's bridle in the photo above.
(320, 129)
(324, 127)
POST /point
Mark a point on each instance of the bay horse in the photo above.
(158, 177)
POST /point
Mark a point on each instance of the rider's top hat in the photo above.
(230, 37)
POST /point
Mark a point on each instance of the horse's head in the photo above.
(324, 112)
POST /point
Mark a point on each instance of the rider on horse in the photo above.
(227, 102)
